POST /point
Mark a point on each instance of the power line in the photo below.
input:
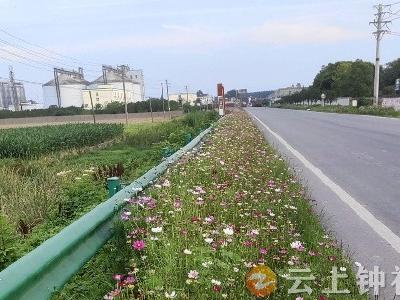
(47, 50)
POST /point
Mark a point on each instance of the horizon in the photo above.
(258, 46)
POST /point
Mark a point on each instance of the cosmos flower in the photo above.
(157, 229)
(297, 245)
(228, 231)
(193, 274)
(138, 245)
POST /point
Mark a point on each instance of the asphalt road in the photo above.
(351, 165)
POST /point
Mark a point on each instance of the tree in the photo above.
(200, 93)
(230, 94)
(390, 73)
(345, 79)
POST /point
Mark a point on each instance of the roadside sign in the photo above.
(221, 99)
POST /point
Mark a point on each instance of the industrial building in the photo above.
(65, 89)
(279, 93)
(189, 98)
(69, 88)
(7, 97)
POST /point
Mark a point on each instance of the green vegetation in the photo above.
(42, 194)
(197, 232)
(361, 110)
(347, 79)
(35, 141)
(111, 108)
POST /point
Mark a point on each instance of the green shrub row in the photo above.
(362, 110)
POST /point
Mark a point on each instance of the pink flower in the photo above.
(177, 204)
(297, 245)
(193, 274)
(118, 277)
(138, 245)
(263, 251)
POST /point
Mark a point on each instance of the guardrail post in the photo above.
(114, 186)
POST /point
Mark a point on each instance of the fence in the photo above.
(48, 267)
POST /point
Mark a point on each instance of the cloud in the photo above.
(171, 36)
(201, 38)
(290, 33)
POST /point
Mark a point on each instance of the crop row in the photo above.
(34, 141)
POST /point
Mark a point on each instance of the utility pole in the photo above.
(379, 23)
(162, 99)
(187, 94)
(14, 91)
(123, 69)
(151, 111)
(91, 102)
(169, 107)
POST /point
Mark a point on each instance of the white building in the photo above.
(104, 94)
(279, 93)
(183, 98)
(71, 91)
(74, 89)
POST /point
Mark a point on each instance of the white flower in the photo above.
(208, 240)
(297, 245)
(235, 269)
(215, 282)
(187, 251)
(156, 229)
(171, 295)
(193, 274)
(228, 231)
(343, 269)
(206, 264)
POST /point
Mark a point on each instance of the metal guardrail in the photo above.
(48, 267)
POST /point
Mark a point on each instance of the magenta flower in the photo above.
(138, 245)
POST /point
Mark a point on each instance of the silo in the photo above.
(134, 84)
(71, 91)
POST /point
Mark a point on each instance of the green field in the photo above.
(45, 188)
(36, 141)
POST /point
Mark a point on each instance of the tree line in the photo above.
(348, 79)
(157, 105)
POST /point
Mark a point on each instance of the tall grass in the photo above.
(191, 123)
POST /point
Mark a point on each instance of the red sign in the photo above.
(221, 98)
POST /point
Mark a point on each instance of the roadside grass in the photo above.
(40, 196)
(362, 110)
(216, 214)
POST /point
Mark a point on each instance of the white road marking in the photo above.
(360, 210)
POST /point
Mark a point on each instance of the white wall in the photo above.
(71, 95)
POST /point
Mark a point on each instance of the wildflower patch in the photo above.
(229, 222)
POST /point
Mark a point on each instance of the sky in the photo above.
(253, 44)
